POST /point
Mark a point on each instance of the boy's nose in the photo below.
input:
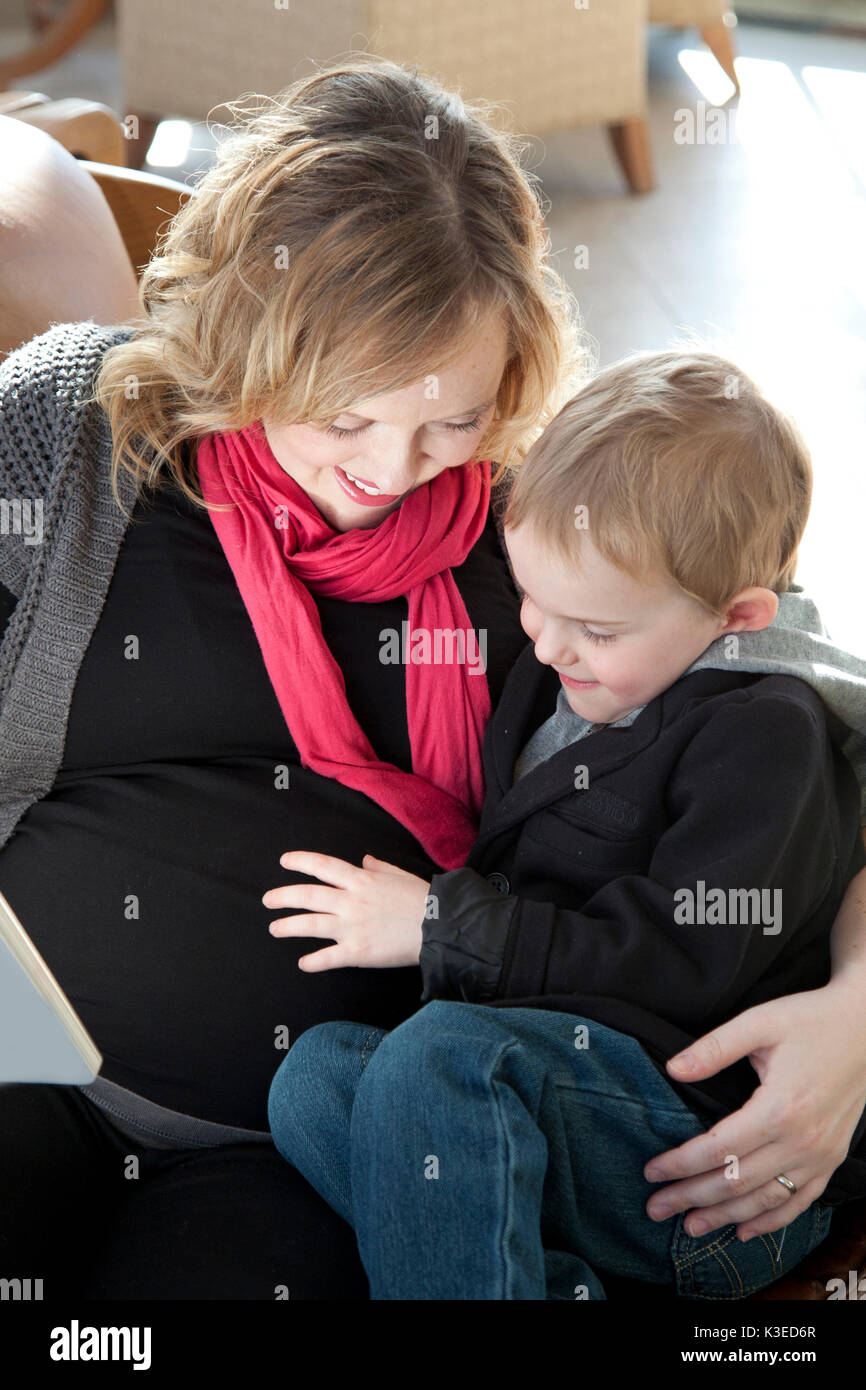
(551, 649)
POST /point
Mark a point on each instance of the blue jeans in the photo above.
(496, 1153)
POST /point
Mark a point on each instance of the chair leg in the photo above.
(137, 147)
(631, 145)
(57, 32)
(718, 39)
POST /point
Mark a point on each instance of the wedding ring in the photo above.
(786, 1182)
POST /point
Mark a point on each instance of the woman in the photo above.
(349, 319)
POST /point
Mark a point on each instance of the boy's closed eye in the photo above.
(589, 633)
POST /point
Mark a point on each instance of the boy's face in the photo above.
(616, 641)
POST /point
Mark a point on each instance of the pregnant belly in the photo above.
(142, 889)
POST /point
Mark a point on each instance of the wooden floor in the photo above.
(759, 245)
(756, 243)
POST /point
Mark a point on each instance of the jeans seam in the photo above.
(374, 1033)
(507, 1223)
(561, 1080)
(716, 1250)
(776, 1250)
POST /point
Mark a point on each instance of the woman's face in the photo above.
(384, 447)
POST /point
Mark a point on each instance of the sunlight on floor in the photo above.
(711, 81)
(170, 145)
(799, 255)
(841, 99)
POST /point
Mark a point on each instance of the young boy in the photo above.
(665, 841)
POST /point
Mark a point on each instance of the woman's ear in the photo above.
(751, 610)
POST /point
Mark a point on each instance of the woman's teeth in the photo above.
(365, 487)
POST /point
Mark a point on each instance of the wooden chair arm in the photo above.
(88, 129)
(140, 202)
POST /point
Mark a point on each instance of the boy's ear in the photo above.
(751, 610)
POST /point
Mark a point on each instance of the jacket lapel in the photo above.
(529, 684)
(599, 753)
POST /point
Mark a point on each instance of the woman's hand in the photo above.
(809, 1051)
(373, 913)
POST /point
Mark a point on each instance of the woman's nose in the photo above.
(396, 471)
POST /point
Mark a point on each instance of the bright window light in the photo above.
(779, 128)
(841, 98)
(170, 144)
(711, 80)
(802, 168)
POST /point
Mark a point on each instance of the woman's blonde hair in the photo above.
(672, 462)
(351, 235)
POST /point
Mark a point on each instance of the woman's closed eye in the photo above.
(344, 433)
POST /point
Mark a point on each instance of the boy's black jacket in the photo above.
(567, 901)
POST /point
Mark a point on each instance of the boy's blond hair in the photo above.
(682, 466)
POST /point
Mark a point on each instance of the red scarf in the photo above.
(282, 551)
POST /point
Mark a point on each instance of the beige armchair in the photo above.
(707, 17)
(554, 66)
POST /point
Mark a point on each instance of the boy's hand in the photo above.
(373, 913)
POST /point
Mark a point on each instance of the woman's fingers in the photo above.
(772, 1203)
(324, 866)
(720, 1048)
(737, 1135)
(732, 1194)
(772, 1220)
(728, 1181)
(769, 1207)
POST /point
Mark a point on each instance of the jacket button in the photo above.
(499, 882)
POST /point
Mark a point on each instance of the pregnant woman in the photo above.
(352, 315)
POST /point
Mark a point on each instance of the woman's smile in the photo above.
(406, 438)
(364, 493)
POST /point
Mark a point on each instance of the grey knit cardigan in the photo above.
(55, 450)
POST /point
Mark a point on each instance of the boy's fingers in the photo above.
(324, 866)
(371, 862)
(306, 924)
(331, 958)
(310, 897)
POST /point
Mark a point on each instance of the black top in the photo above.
(140, 876)
(619, 895)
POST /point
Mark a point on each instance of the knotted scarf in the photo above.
(282, 551)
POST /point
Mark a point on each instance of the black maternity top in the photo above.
(140, 875)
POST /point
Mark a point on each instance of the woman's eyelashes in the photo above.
(344, 434)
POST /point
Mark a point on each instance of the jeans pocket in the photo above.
(719, 1266)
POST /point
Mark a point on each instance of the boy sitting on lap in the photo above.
(666, 841)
